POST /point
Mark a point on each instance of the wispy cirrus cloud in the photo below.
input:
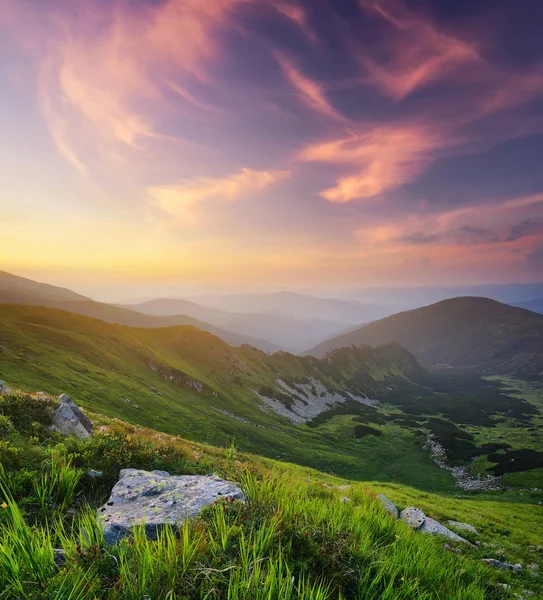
(102, 69)
(418, 51)
(187, 199)
(311, 93)
(384, 157)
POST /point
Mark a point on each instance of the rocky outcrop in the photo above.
(415, 518)
(70, 420)
(157, 498)
(389, 506)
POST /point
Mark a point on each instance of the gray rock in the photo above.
(4, 388)
(59, 556)
(157, 498)
(432, 526)
(389, 506)
(494, 562)
(414, 517)
(70, 420)
(94, 474)
(462, 526)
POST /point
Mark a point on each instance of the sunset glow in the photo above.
(271, 142)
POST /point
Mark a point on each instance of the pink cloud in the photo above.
(384, 157)
(187, 199)
(311, 93)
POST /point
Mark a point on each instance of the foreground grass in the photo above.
(301, 534)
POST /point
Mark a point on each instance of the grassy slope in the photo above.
(106, 368)
(303, 540)
(461, 332)
(18, 290)
(182, 381)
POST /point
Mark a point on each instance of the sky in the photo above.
(265, 144)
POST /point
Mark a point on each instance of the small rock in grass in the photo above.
(59, 556)
(70, 420)
(389, 506)
(532, 567)
(494, 562)
(414, 517)
(94, 474)
(4, 388)
(462, 526)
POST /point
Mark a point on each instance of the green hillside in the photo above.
(18, 290)
(491, 337)
(361, 412)
(301, 535)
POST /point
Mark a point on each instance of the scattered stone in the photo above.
(345, 499)
(94, 474)
(59, 556)
(504, 586)
(532, 567)
(462, 526)
(494, 562)
(4, 388)
(70, 420)
(528, 593)
(414, 517)
(389, 506)
(432, 526)
(158, 498)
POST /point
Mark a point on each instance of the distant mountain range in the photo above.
(302, 306)
(492, 337)
(534, 305)
(404, 298)
(290, 326)
(19, 290)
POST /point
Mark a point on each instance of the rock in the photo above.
(158, 498)
(59, 556)
(4, 388)
(528, 593)
(494, 562)
(414, 517)
(94, 474)
(345, 499)
(432, 526)
(462, 526)
(389, 506)
(532, 567)
(69, 419)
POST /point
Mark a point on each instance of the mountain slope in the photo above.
(18, 290)
(474, 332)
(303, 534)
(360, 412)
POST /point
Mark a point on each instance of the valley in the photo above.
(361, 412)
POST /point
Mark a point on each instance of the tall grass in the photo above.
(288, 541)
(58, 482)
